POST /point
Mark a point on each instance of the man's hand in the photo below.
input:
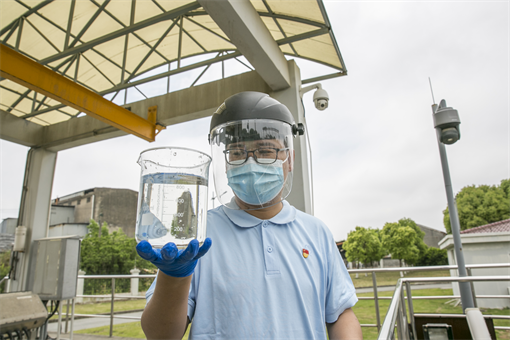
(172, 261)
(165, 316)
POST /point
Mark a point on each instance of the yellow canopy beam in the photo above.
(24, 71)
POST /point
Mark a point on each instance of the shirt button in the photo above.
(264, 224)
(269, 249)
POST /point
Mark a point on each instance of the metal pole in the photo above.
(471, 283)
(411, 309)
(466, 296)
(400, 326)
(44, 331)
(59, 330)
(111, 309)
(405, 324)
(72, 320)
(376, 299)
(67, 316)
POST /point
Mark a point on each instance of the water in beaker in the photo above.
(172, 202)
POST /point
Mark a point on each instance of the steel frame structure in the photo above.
(73, 50)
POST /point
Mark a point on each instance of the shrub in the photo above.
(4, 268)
(111, 254)
(433, 257)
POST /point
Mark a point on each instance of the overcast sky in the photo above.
(375, 155)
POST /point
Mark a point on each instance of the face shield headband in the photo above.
(252, 162)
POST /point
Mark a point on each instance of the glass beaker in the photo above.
(172, 201)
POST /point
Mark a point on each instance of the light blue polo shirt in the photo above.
(281, 278)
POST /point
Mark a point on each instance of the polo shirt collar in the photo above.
(242, 219)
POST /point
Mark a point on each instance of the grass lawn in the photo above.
(364, 309)
(127, 330)
(390, 278)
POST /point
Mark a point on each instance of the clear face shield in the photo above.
(252, 163)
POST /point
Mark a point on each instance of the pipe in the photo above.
(477, 324)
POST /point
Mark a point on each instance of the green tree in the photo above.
(111, 253)
(399, 241)
(4, 268)
(363, 245)
(480, 205)
(433, 257)
(420, 234)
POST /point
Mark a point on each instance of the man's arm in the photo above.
(166, 314)
(345, 327)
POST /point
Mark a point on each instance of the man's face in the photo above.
(265, 152)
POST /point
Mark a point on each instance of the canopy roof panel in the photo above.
(108, 45)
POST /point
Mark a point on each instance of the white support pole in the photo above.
(35, 207)
(301, 194)
(134, 281)
(79, 286)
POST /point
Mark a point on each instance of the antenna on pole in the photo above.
(432, 92)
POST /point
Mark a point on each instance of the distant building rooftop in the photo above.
(432, 236)
(496, 227)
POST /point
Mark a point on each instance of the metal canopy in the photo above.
(108, 46)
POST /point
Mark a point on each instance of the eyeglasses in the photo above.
(261, 155)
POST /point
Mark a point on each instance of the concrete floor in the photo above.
(86, 323)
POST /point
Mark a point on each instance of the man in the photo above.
(274, 272)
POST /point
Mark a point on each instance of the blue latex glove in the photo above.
(172, 261)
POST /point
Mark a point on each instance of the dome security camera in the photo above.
(449, 135)
(321, 99)
(448, 121)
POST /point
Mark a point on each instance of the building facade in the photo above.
(432, 236)
(8, 226)
(7, 231)
(117, 207)
(488, 244)
(71, 214)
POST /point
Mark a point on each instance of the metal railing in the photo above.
(397, 313)
(112, 297)
(376, 298)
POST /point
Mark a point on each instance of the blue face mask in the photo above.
(254, 183)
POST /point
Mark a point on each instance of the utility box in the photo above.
(54, 264)
(19, 311)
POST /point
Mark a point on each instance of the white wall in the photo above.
(79, 229)
(8, 226)
(487, 248)
(61, 214)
